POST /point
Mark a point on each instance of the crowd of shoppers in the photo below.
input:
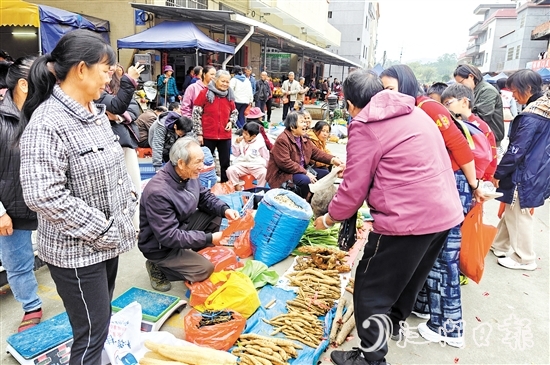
(69, 127)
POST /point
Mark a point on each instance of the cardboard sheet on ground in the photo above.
(306, 356)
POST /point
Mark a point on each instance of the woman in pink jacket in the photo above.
(193, 90)
(397, 163)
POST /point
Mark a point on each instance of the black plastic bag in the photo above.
(348, 233)
(291, 186)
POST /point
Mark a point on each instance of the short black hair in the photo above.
(525, 81)
(437, 88)
(197, 70)
(465, 71)
(253, 128)
(458, 91)
(320, 125)
(161, 108)
(407, 82)
(360, 86)
(174, 106)
(237, 70)
(501, 83)
(184, 124)
(291, 120)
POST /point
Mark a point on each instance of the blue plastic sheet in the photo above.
(254, 324)
(278, 228)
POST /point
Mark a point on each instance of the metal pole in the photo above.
(265, 54)
(39, 41)
(241, 43)
(196, 56)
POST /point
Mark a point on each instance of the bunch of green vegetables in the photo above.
(319, 238)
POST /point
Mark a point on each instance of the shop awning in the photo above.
(219, 21)
(19, 14)
(174, 35)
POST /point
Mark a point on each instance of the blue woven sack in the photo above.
(278, 228)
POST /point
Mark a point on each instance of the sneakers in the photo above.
(510, 263)
(353, 357)
(421, 315)
(157, 277)
(498, 253)
(432, 336)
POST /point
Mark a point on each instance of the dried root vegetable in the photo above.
(254, 349)
(192, 355)
(346, 329)
(303, 327)
(345, 322)
(322, 258)
(317, 290)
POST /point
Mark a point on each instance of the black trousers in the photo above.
(224, 151)
(269, 105)
(286, 107)
(388, 278)
(86, 293)
(184, 264)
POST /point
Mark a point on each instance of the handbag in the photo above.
(247, 110)
(347, 235)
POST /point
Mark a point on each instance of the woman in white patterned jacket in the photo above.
(73, 175)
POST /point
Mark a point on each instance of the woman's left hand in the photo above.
(228, 126)
(319, 223)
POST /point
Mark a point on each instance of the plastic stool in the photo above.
(248, 181)
(144, 152)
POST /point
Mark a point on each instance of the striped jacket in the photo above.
(73, 175)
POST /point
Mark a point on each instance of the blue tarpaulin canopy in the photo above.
(545, 74)
(494, 79)
(174, 35)
(54, 23)
(377, 69)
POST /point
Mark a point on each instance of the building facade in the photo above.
(519, 47)
(357, 22)
(484, 49)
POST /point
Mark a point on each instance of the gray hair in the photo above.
(291, 73)
(248, 67)
(220, 73)
(180, 150)
(263, 73)
(302, 78)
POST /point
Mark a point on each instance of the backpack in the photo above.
(479, 144)
(477, 140)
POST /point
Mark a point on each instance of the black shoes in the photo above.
(158, 279)
(353, 357)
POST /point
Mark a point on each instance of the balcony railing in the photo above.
(472, 50)
(475, 30)
(191, 4)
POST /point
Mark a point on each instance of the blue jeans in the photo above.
(18, 259)
(241, 118)
(440, 296)
(162, 102)
(303, 181)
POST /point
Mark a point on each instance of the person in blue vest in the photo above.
(167, 88)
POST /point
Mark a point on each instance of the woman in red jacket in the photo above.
(444, 312)
(214, 113)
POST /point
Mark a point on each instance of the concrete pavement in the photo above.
(506, 316)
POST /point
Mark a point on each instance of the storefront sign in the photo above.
(538, 64)
(278, 62)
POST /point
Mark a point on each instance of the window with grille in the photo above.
(510, 55)
(190, 4)
(330, 14)
(522, 21)
(518, 50)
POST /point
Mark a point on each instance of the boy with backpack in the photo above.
(458, 99)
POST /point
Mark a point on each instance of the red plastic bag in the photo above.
(242, 242)
(201, 290)
(223, 258)
(476, 242)
(220, 336)
(242, 246)
(222, 188)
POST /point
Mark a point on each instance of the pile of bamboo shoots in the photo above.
(303, 327)
(162, 354)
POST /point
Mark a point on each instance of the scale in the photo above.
(49, 342)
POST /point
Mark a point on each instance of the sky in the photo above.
(425, 29)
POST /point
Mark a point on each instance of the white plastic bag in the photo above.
(124, 337)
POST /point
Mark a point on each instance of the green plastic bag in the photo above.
(258, 272)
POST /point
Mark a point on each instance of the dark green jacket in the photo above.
(488, 106)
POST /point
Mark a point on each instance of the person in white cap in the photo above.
(167, 89)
